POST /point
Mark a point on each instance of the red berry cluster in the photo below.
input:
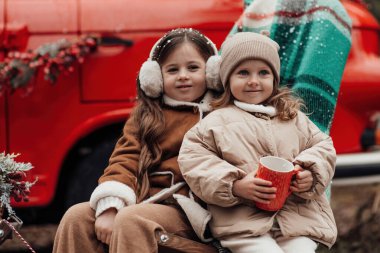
(18, 68)
(20, 187)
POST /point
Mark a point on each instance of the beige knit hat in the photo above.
(248, 45)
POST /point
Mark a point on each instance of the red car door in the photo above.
(45, 124)
(35, 117)
(134, 26)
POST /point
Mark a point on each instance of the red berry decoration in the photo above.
(13, 183)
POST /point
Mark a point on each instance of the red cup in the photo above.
(280, 172)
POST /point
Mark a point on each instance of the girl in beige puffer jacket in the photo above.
(219, 157)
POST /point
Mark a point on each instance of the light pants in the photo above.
(134, 230)
(267, 244)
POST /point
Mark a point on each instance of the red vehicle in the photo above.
(68, 130)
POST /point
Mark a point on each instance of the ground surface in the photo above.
(356, 209)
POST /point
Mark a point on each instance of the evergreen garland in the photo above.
(18, 68)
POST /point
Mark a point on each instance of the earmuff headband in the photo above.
(159, 41)
(150, 75)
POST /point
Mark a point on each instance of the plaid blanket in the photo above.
(315, 39)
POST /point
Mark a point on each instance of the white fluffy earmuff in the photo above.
(150, 76)
(213, 80)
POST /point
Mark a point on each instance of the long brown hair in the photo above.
(286, 102)
(148, 115)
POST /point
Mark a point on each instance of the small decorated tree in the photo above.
(13, 184)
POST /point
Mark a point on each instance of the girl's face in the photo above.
(252, 82)
(184, 73)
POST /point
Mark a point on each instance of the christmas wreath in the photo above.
(18, 68)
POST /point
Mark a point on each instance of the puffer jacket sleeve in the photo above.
(208, 176)
(318, 156)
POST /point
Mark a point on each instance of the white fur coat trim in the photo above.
(112, 189)
(268, 110)
(203, 106)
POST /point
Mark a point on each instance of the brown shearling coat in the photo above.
(123, 165)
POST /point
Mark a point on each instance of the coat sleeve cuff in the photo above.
(113, 189)
(234, 200)
(107, 203)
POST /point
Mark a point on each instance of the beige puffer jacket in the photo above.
(228, 143)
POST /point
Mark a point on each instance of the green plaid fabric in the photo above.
(315, 39)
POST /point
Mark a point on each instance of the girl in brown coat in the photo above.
(133, 200)
(220, 155)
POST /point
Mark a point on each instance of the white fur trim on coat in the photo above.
(268, 110)
(112, 189)
(203, 106)
(151, 81)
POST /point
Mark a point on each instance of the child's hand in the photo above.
(303, 181)
(252, 188)
(104, 225)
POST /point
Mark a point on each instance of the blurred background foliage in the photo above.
(374, 7)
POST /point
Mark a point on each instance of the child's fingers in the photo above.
(306, 181)
(303, 181)
(305, 174)
(260, 181)
(108, 240)
(303, 185)
(264, 189)
(301, 174)
(263, 193)
(297, 187)
(261, 200)
(294, 189)
(101, 237)
(264, 196)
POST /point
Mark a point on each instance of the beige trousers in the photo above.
(135, 229)
(268, 244)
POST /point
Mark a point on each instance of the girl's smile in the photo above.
(184, 73)
(252, 81)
